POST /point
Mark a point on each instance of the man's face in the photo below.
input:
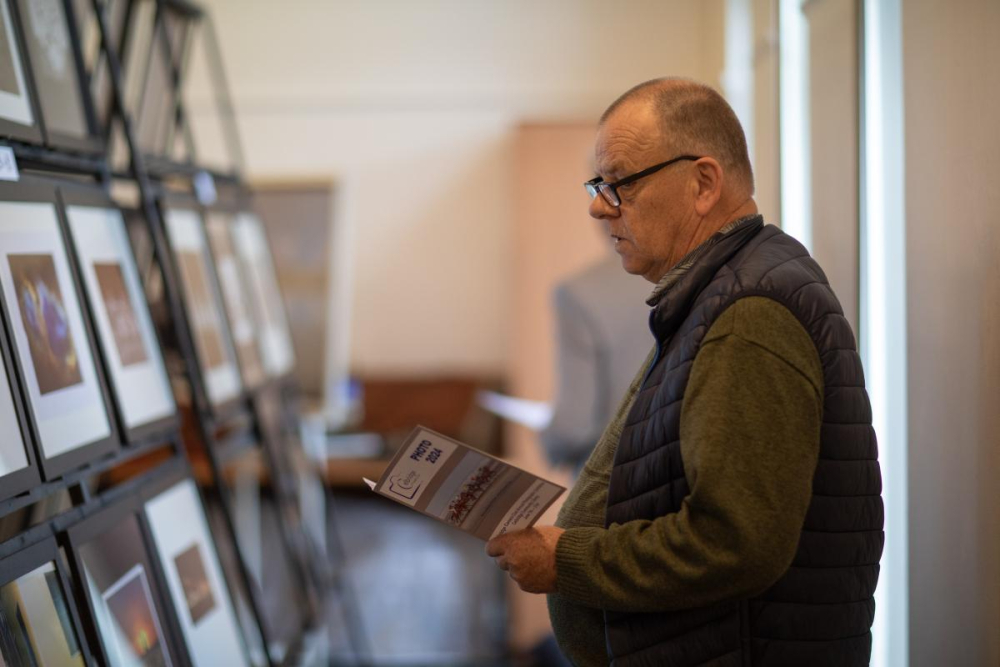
(651, 228)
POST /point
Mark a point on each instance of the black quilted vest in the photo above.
(820, 611)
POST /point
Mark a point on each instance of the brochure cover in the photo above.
(463, 487)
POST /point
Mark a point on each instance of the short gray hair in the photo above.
(695, 118)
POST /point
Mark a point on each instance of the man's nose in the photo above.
(600, 209)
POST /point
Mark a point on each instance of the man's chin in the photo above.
(630, 265)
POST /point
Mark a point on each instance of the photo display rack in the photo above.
(102, 312)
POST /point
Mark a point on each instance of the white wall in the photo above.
(951, 65)
(413, 107)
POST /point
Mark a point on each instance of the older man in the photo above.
(731, 512)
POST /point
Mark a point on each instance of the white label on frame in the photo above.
(8, 165)
(204, 188)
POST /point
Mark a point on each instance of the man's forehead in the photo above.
(624, 141)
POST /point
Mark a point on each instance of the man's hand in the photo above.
(529, 557)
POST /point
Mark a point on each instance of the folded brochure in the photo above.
(463, 487)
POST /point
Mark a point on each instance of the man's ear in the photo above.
(709, 179)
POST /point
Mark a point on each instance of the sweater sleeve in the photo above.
(750, 428)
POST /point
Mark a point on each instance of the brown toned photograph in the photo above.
(202, 309)
(121, 315)
(194, 581)
(132, 610)
(45, 321)
(8, 77)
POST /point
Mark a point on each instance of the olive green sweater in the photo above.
(750, 429)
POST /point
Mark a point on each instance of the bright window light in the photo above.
(737, 78)
(883, 327)
(793, 37)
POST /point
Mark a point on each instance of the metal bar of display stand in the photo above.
(34, 157)
(178, 313)
(168, 167)
(276, 468)
(179, 113)
(223, 97)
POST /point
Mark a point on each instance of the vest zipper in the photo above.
(652, 364)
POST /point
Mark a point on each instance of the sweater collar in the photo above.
(677, 289)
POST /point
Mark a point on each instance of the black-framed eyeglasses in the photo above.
(610, 190)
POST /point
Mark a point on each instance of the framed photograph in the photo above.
(135, 48)
(120, 584)
(155, 120)
(262, 545)
(52, 345)
(95, 62)
(234, 296)
(38, 620)
(18, 118)
(228, 560)
(194, 576)
(132, 353)
(282, 583)
(213, 344)
(257, 265)
(18, 469)
(58, 75)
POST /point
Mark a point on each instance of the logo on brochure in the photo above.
(405, 486)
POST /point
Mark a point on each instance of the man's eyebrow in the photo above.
(611, 169)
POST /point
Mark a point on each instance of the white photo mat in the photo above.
(212, 632)
(102, 244)
(187, 238)
(75, 415)
(258, 265)
(15, 105)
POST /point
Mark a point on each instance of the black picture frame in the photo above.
(243, 599)
(250, 361)
(175, 202)
(181, 25)
(92, 141)
(286, 607)
(10, 129)
(18, 481)
(38, 190)
(92, 529)
(33, 557)
(76, 194)
(247, 220)
(94, 59)
(151, 90)
(153, 491)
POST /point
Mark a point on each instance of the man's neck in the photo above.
(713, 224)
(671, 277)
(729, 214)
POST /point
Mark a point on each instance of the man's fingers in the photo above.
(496, 546)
